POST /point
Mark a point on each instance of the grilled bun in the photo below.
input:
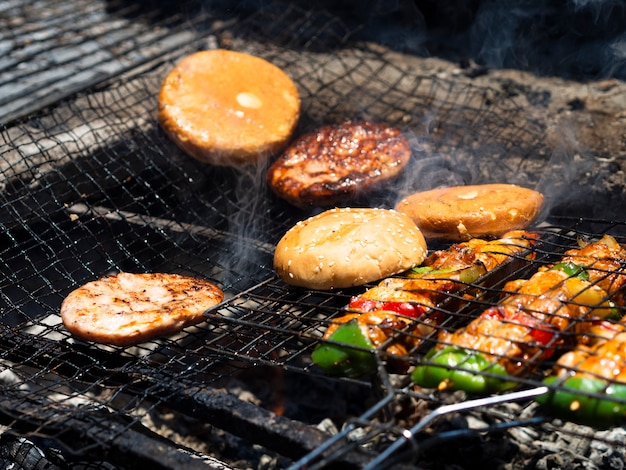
(228, 108)
(348, 247)
(463, 212)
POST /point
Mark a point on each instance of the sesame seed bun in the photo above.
(228, 108)
(464, 212)
(348, 247)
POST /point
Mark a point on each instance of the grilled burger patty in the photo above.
(127, 309)
(337, 162)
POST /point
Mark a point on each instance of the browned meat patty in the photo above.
(335, 163)
(127, 308)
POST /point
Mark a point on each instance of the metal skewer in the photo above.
(409, 434)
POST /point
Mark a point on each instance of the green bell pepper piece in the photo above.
(466, 274)
(572, 269)
(420, 270)
(461, 369)
(570, 401)
(352, 360)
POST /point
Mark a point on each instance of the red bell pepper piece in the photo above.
(541, 332)
(407, 309)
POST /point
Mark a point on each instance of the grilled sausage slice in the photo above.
(336, 163)
(127, 309)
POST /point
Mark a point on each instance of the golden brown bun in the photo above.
(348, 247)
(228, 108)
(463, 212)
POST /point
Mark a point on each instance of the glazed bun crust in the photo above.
(348, 247)
(463, 212)
(228, 108)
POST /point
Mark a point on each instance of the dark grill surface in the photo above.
(90, 186)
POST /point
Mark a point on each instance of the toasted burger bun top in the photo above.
(228, 108)
(348, 247)
(463, 212)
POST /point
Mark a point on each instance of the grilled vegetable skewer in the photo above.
(524, 329)
(589, 382)
(396, 314)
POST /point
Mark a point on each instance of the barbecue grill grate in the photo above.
(90, 186)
